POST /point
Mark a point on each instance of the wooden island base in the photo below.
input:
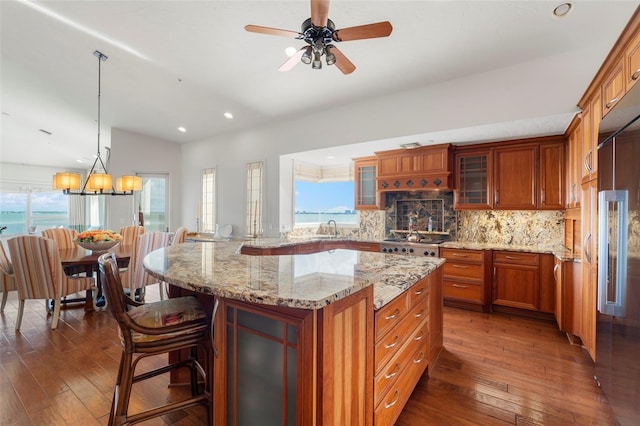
(344, 364)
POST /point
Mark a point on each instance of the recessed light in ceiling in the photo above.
(330, 157)
(562, 9)
(228, 115)
(290, 51)
(182, 129)
(410, 145)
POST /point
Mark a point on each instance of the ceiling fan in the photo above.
(320, 33)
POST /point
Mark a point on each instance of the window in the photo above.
(21, 212)
(208, 201)
(324, 193)
(255, 178)
(153, 201)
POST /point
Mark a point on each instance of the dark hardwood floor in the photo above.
(495, 369)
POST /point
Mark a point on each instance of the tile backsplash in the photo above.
(511, 227)
(421, 205)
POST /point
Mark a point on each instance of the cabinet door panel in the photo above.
(515, 178)
(516, 286)
(552, 176)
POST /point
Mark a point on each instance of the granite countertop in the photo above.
(557, 250)
(309, 281)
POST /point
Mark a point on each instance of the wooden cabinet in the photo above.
(516, 280)
(613, 88)
(366, 194)
(589, 265)
(590, 127)
(404, 345)
(552, 177)
(303, 362)
(421, 168)
(566, 276)
(466, 278)
(574, 163)
(473, 180)
(632, 62)
(515, 177)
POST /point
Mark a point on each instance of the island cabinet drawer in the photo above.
(393, 401)
(418, 294)
(462, 255)
(391, 314)
(463, 270)
(391, 342)
(463, 290)
(516, 257)
(400, 362)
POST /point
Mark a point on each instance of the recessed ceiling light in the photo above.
(228, 115)
(182, 129)
(410, 145)
(78, 161)
(330, 157)
(562, 9)
(290, 51)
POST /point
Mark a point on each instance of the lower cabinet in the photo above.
(466, 278)
(524, 281)
(408, 337)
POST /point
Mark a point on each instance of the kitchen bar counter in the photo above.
(309, 281)
(331, 338)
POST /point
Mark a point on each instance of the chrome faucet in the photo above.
(335, 227)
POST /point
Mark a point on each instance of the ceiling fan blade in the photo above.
(272, 31)
(292, 61)
(379, 29)
(319, 12)
(343, 64)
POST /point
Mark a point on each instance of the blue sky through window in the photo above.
(325, 197)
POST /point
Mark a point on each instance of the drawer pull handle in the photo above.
(394, 373)
(611, 103)
(636, 74)
(460, 286)
(419, 314)
(419, 360)
(419, 336)
(395, 400)
(393, 315)
(512, 257)
(461, 266)
(419, 292)
(460, 255)
(392, 344)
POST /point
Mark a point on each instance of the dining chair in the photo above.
(7, 277)
(134, 278)
(64, 237)
(39, 274)
(180, 236)
(130, 233)
(153, 329)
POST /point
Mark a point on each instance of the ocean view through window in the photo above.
(319, 202)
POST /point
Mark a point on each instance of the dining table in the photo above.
(80, 260)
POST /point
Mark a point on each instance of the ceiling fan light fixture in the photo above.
(317, 63)
(306, 56)
(330, 57)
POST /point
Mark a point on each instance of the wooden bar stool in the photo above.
(151, 329)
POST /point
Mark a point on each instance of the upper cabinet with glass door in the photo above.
(366, 194)
(473, 179)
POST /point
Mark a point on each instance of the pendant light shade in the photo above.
(68, 181)
(129, 183)
(99, 181)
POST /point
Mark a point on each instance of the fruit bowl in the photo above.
(98, 247)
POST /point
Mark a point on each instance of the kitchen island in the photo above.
(327, 338)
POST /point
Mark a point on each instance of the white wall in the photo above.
(433, 108)
(133, 153)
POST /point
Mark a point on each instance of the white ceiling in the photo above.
(184, 63)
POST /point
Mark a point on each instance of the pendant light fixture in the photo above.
(99, 181)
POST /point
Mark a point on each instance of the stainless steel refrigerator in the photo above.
(618, 318)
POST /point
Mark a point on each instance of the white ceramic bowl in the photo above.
(99, 247)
